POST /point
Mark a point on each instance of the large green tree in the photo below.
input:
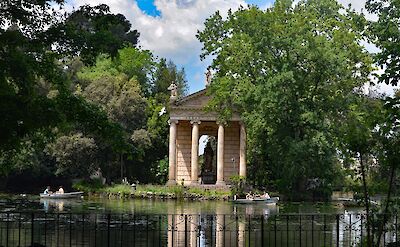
(290, 71)
(124, 88)
(384, 33)
(74, 155)
(34, 39)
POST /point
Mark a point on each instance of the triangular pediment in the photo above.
(191, 107)
(196, 100)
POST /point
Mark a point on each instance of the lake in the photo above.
(157, 206)
(29, 220)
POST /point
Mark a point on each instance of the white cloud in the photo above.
(172, 34)
(359, 6)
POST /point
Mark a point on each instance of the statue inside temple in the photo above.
(208, 158)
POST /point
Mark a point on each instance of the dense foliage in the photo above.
(292, 72)
(76, 95)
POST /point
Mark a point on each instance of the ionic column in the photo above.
(195, 152)
(241, 237)
(171, 226)
(172, 153)
(220, 155)
(194, 230)
(219, 228)
(242, 162)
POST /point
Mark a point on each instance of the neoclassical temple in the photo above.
(225, 151)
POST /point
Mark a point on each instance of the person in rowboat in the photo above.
(60, 190)
(266, 196)
(47, 191)
(249, 196)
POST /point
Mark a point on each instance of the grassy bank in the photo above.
(153, 191)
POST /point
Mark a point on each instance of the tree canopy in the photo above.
(35, 39)
(76, 94)
(292, 72)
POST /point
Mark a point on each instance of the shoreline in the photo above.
(177, 192)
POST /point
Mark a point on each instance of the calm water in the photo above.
(174, 223)
(149, 206)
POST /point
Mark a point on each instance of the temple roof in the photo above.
(195, 100)
(191, 107)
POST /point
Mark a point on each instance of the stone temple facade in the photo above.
(225, 154)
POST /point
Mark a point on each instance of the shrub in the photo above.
(93, 185)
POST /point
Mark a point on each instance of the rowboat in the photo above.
(62, 196)
(272, 200)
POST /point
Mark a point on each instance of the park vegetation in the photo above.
(77, 94)
(300, 76)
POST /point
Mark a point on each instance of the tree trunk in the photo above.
(366, 200)
(385, 211)
(122, 166)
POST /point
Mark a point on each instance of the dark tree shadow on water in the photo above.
(37, 245)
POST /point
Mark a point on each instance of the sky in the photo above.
(168, 27)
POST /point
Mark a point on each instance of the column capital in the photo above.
(219, 122)
(173, 121)
(195, 121)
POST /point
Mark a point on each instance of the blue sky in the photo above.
(150, 9)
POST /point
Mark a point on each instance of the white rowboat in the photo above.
(272, 200)
(62, 196)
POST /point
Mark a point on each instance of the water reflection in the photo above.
(57, 205)
(155, 207)
(182, 223)
(225, 227)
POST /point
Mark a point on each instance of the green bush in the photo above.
(238, 183)
(121, 189)
(93, 185)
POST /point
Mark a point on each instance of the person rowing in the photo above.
(47, 191)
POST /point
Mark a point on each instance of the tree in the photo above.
(385, 33)
(136, 64)
(120, 98)
(359, 140)
(165, 74)
(74, 155)
(290, 71)
(34, 38)
(90, 31)
(76, 77)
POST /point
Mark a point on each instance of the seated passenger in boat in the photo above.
(60, 190)
(47, 191)
(266, 195)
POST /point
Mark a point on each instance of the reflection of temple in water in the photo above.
(212, 230)
(218, 229)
